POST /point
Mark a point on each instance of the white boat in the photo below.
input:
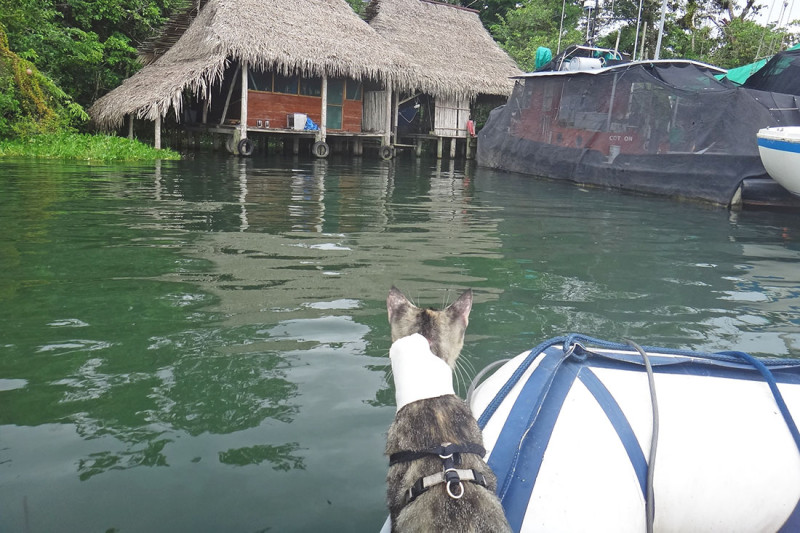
(579, 443)
(779, 148)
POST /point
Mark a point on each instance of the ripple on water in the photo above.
(12, 384)
(74, 345)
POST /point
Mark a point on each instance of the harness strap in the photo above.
(442, 451)
(450, 477)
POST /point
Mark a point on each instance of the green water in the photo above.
(201, 345)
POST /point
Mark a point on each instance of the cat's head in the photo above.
(444, 329)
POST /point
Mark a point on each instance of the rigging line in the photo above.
(772, 48)
(763, 33)
(788, 20)
(561, 27)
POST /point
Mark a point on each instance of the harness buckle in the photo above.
(450, 475)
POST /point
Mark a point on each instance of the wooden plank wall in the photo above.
(276, 106)
(450, 117)
(374, 111)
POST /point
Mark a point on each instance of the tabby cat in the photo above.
(421, 497)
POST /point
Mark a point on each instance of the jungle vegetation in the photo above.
(56, 58)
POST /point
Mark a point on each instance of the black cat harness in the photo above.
(450, 454)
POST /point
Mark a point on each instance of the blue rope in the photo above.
(577, 339)
(773, 386)
(506, 388)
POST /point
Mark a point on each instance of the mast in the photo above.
(660, 28)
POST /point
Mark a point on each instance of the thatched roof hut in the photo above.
(306, 37)
(449, 44)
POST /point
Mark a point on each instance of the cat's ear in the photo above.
(396, 303)
(460, 308)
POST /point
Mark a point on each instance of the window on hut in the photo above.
(354, 90)
(286, 84)
(258, 80)
(311, 86)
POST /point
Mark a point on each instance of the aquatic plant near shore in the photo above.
(82, 147)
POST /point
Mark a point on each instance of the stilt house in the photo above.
(460, 61)
(263, 65)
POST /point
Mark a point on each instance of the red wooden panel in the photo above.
(274, 107)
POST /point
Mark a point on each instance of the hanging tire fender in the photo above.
(386, 152)
(245, 147)
(321, 149)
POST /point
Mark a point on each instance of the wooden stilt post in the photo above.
(323, 127)
(395, 115)
(453, 147)
(439, 143)
(470, 151)
(296, 145)
(243, 115)
(130, 126)
(157, 134)
(417, 147)
(387, 130)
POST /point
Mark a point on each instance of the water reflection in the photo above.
(219, 323)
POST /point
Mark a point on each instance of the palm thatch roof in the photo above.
(308, 37)
(448, 43)
(169, 34)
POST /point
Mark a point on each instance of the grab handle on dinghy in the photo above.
(776, 393)
(573, 339)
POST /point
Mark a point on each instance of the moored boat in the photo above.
(667, 128)
(779, 149)
(586, 435)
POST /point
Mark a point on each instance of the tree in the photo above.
(535, 23)
(86, 46)
(30, 103)
(715, 31)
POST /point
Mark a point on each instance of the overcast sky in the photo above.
(767, 15)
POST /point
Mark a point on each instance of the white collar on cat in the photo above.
(418, 373)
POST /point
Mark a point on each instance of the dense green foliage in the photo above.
(58, 57)
(82, 146)
(721, 32)
(30, 103)
(87, 47)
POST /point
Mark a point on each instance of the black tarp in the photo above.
(781, 74)
(666, 128)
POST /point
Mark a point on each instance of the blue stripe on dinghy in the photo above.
(522, 414)
(777, 144)
(620, 423)
(792, 525)
(529, 447)
(533, 445)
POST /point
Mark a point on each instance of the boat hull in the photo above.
(681, 176)
(779, 149)
(569, 441)
(659, 128)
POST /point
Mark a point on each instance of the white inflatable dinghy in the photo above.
(586, 435)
